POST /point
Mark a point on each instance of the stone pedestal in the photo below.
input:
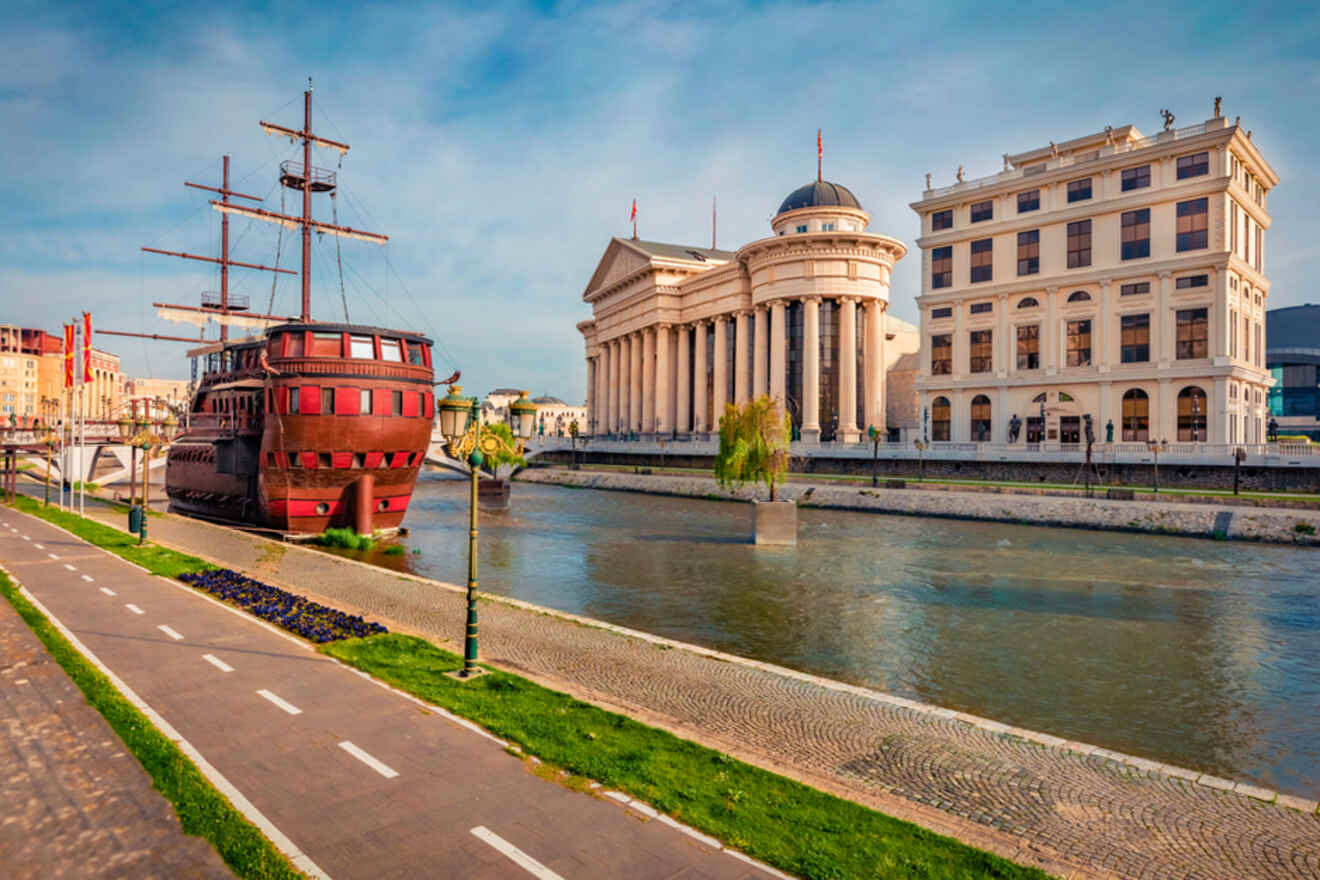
(774, 522)
(493, 494)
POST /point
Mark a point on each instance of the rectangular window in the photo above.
(294, 400)
(1188, 281)
(364, 402)
(1193, 332)
(1028, 252)
(827, 227)
(327, 401)
(1260, 248)
(983, 260)
(1079, 343)
(1193, 228)
(981, 352)
(293, 345)
(1134, 289)
(1232, 333)
(983, 308)
(941, 354)
(946, 312)
(941, 267)
(396, 403)
(1232, 227)
(1134, 332)
(1079, 244)
(1194, 165)
(1136, 234)
(389, 351)
(983, 210)
(941, 220)
(326, 344)
(802, 228)
(1028, 347)
(1136, 178)
(1028, 201)
(1246, 339)
(361, 347)
(1079, 190)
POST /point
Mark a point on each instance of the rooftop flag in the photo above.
(633, 218)
(68, 355)
(87, 346)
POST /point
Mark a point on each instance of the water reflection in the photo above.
(1199, 653)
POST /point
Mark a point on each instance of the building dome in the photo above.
(818, 194)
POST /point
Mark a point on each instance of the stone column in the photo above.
(623, 388)
(778, 352)
(664, 382)
(811, 369)
(635, 381)
(875, 364)
(848, 432)
(1049, 333)
(683, 385)
(591, 394)
(648, 381)
(1164, 417)
(721, 396)
(612, 386)
(1166, 324)
(1103, 357)
(1002, 354)
(602, 390)
(760, 384)
(700, 418)
(741, 381)
(1220, 321)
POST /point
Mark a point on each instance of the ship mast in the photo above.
(222, 304)
(308, 180)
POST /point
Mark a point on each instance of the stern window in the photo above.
(389, 351)
(361, 347)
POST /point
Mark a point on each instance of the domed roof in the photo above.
(820, 193)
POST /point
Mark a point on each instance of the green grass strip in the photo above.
(784, 823)
(202, 811)
(152, 557)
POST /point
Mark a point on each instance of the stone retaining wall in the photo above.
(1192, 520)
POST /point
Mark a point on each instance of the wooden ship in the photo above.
(304, 425)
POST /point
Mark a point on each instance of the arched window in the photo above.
(1039, 398)
(1028, 302)
(1136, 415)
(1192, 415)
(1065, 397)
(1079, 296)
(941, 416)
(981, 418)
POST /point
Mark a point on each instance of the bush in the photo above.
(754, 442)
(394, 550)
(346, 538)
(297, 614)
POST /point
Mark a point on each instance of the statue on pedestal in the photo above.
(1014, 428)
(1168, 119)
(927, 180)
(960, 174)
(1219, 103)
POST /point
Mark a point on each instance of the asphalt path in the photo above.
(351, 778)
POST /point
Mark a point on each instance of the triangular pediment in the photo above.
(620, 260)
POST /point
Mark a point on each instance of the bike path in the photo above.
(362, 781)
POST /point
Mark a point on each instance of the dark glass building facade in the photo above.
(1292, 354)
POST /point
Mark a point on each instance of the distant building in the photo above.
(553, 416)
(1293, 357)
(1113, 275)
(678, 331)
(169, 396)
(32, 376)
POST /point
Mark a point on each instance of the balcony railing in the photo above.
(211, 300)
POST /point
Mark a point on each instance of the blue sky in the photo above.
(501, 148)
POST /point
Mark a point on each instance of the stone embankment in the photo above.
(1156, 517)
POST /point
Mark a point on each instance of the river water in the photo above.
(1199, 653)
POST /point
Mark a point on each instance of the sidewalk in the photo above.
(1070, 808)
(76, 804)
(349, 778)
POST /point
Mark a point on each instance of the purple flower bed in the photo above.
(309, 619)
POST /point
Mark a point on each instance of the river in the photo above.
(1199, 653)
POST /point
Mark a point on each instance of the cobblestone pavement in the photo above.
(75, 803)
(1043, 802)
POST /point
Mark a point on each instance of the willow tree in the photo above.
(754, 440)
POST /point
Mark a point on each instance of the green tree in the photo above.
(502, 455)
(754, 442)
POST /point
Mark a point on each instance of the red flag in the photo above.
(68, 355)
(820, 147)
(87, 346)
(633, 215)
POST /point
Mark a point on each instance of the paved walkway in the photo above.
(1068, 807)
(358, 780)
(75, 803)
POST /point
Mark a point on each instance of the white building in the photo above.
(678, 331)
(1113, 275)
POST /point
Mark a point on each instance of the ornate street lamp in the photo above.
(460, 423)
(1156, 447)
(875, 454)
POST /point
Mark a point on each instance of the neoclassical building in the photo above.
(1112, 275)
(677, 331)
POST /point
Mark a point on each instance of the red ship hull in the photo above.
(313, 426)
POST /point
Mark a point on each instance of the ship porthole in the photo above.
(383, 505)
(322, 509)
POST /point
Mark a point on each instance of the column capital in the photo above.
(744, 313)
(848, 299)
(1106, 282)
(720, 319)
(1166, 275)
(814, 298)
(1052, 290)
(663, 325)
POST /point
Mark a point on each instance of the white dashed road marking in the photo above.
(286, 706)
(52, 556)
(169, 632)
(39, 546)
(515, 855)
(217, 663)
(383, 769)
(136, 610)
(69, 567)
(107, 591)
(87, 577)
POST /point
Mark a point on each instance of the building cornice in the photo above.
(1206, 261)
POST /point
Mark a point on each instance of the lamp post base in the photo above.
(458, 675)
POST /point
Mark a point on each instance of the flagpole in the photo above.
(63, 470)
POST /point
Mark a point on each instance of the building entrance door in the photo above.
(1035, 429)
(1070, 429)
